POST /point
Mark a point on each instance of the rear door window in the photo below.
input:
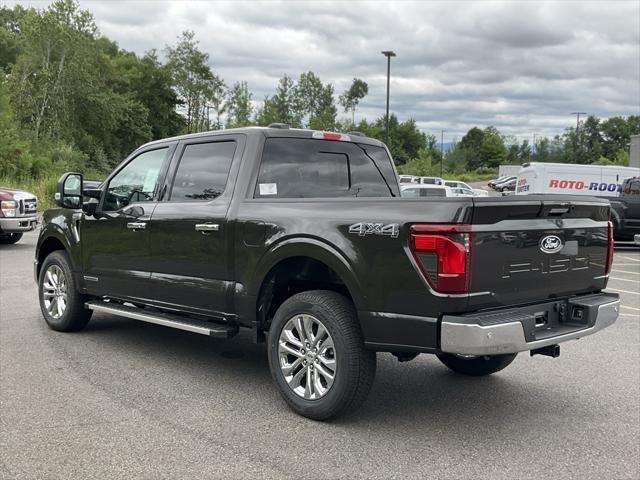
(203, 171)
(309, 168)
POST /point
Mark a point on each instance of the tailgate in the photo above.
(536, 248)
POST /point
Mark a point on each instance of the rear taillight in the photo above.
(443, 253)
(607, 268)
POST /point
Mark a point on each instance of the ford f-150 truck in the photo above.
(18, 214)
(301, 236)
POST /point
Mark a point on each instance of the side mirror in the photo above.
(69, 191)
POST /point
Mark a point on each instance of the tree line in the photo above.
(71, 98)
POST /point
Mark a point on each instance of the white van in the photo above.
(568, 178)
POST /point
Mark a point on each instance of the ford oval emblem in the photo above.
(551, 244)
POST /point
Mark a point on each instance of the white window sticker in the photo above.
(268, 189)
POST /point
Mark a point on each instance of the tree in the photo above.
(283, 107)
(12, 149)
(352, 96)
(193, 79)
(492, 151)
(316, 101)
(239, 108)
(53, 67)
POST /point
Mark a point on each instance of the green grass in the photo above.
(44, 188)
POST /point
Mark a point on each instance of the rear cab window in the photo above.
(310, 168)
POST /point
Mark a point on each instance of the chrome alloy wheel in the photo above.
(307, 356)
(54, 291)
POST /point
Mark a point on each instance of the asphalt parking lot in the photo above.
(124, 399)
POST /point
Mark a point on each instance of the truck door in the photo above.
(190, 237)
(115, 241)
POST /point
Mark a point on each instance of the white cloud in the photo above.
(521, 66)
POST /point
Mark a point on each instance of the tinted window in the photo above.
(434, 192)
(297, 168)
(384, 164)
(203, 171)
(411, 192)
(631, 187)
(136, 182)
(430, 181)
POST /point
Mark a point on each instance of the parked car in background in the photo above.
(500, 185)
(18, 214)
(625, 210)
(509, 186)
(463, 192)
(413, 191)
(478, 192)
(502, 178)
(431, 180)
(403, 179)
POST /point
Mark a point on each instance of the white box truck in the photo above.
(574, 179)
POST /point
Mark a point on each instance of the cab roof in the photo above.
(279, 132)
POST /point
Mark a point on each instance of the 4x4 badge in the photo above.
(362, 229)
(551, 244)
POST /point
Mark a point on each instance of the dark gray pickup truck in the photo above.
(301, 237)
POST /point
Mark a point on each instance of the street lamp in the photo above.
(388, 54)
(441, 150)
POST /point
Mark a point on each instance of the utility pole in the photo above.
(208, 119)
(441, 150)
(577, 114)
(575, 145)
(388, 54)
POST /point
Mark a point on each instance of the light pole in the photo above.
(388, 54)
(441, 150)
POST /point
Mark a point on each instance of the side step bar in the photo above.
(159, 318)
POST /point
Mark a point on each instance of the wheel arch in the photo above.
(49, 244)
(302, 264)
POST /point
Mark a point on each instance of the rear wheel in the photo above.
(317, 356)
(9, 238)
(61, 305)
(476, 365)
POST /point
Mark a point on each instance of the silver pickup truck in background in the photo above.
(18, 214)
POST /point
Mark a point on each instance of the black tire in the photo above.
(355, 366)
(75, 317)
(9, 238)
(476, 366)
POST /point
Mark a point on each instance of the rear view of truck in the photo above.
(536, 268)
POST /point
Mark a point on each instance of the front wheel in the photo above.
(10, 238)
(317, 356)
(476, 365)
(61, 305)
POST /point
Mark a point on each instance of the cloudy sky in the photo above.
(521, 66)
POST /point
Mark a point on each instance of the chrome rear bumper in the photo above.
(516, 330)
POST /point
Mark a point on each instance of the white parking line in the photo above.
(627, 315)
(623, 291)
(630, 308)
(624, 280)
(624, 264)
(624, 271)
(629, 258)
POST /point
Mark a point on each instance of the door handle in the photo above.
(136, 225)
(207, 227)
